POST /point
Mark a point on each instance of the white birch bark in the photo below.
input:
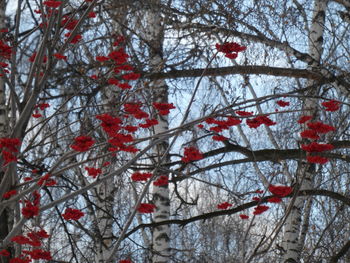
(104, 217)
(292, 230)
(293, 222)
(153, 33)
(105, 195)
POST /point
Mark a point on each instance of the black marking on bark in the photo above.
(162, 236)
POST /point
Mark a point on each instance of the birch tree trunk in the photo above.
(104, 218)
(305, 172)
(105, 191)
(154, 35)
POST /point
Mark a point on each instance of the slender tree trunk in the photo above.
(105, 192)
(104, 217)
(292, 227)
(292, 231)
(154, 35)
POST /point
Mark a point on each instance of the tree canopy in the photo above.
(174, 131)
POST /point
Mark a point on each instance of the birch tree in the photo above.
(292, 240)
(154, 37)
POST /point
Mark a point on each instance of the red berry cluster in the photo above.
(52, 4)
(191, 154)
(331, 105)
(32, 239)
(259, 120)
(8, 147)
(139, 177)
(111, 125)
(161, 181)
(231, 49)
(72, 214)
(222, 124)
(82, 143)
(282, 103)
(280, 190)
(260, 209)
(163, 108)
(42, 107)
(93, 172)
(224, 205)
(145, 208)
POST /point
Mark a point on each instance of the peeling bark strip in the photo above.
(291, 242)
(154, 35)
